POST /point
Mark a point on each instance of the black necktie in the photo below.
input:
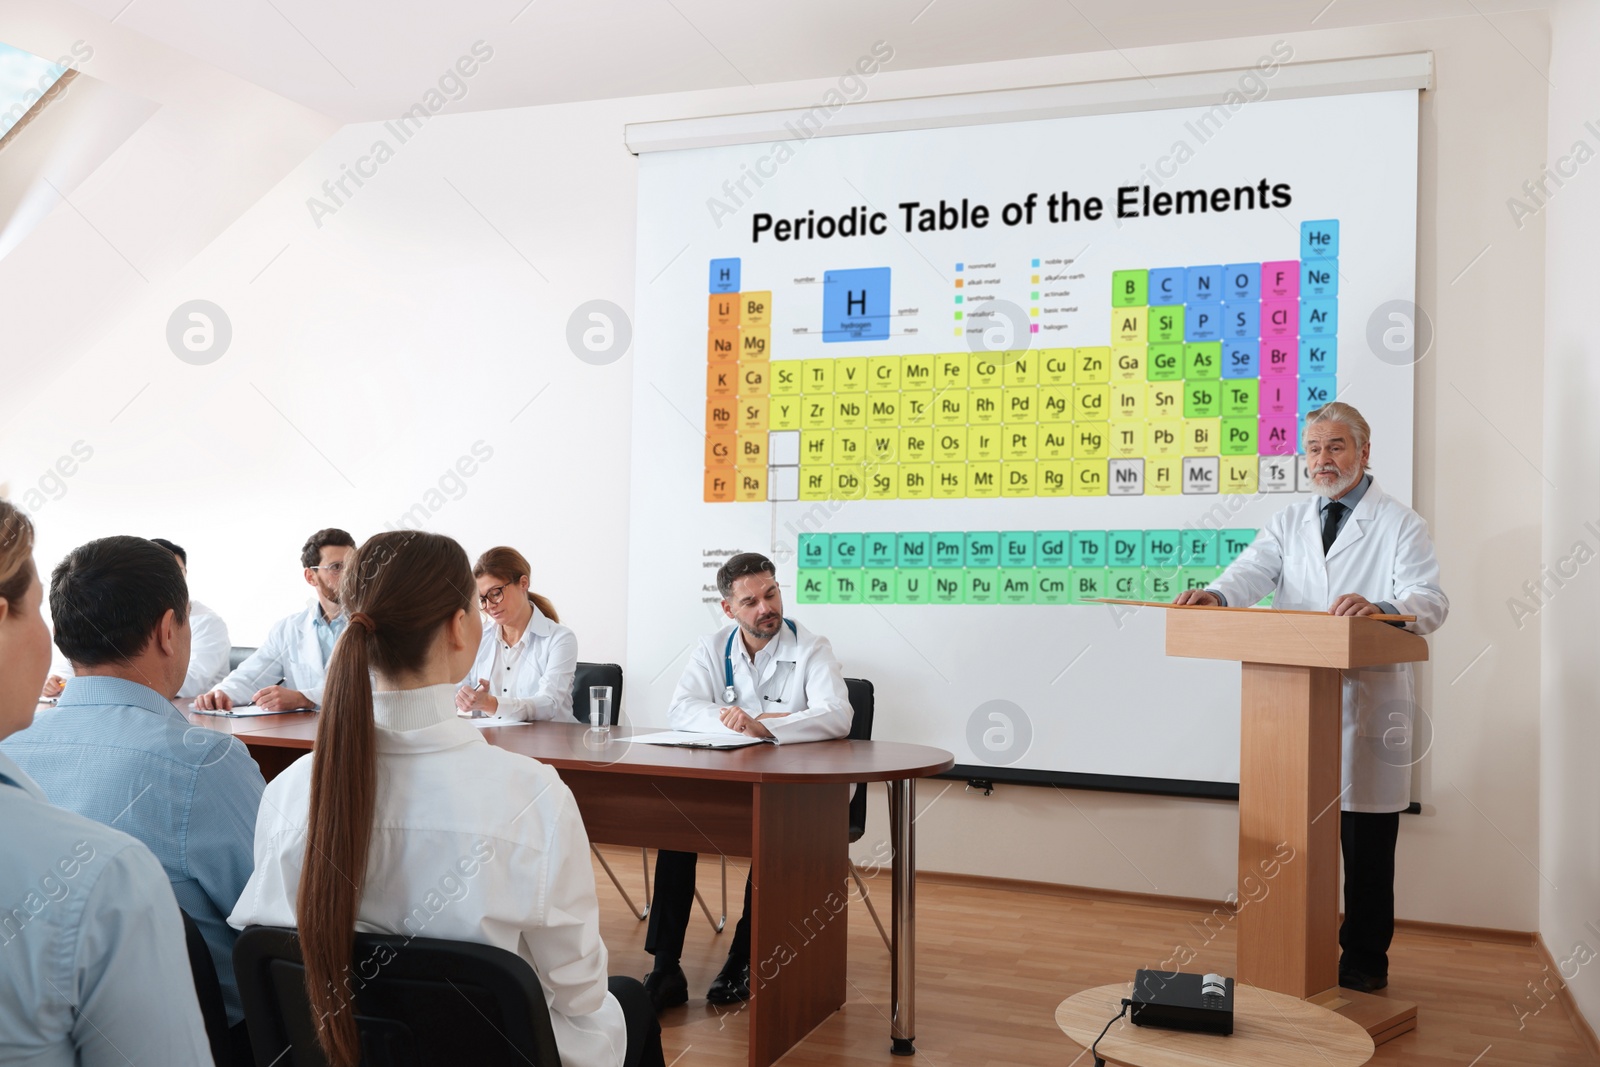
(1330, 523)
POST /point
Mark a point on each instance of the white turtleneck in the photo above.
(414, 709)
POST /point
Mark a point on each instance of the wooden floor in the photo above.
(992, 964)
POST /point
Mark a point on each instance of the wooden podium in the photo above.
(1289, 790)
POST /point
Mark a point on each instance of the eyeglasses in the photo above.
(331, 568)
(495, 594)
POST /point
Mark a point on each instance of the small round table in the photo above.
(1269, 1030)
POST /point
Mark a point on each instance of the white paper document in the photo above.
(688, 739)
(494, 720)
(240, 711)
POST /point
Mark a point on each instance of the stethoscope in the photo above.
(728, 692)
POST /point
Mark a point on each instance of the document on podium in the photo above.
(689, 739)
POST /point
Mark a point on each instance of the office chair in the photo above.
(588, 674)
(427, 1003)
(208, 991)
(237, 655)
(862, 700)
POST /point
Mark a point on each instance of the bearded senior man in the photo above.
(1353, 550)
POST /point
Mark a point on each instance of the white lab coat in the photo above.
(470, 843)
(208, 652)
(1383, 552)
(795, 673)
(290, 652)
(538, 685)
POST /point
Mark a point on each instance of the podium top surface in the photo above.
(1289, 638)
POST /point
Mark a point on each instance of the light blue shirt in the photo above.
(120, 754)
(328, 631)
(93, 967)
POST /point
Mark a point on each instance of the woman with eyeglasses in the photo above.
(527, 659)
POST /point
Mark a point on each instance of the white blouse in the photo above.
(470, 843)
(531, 679)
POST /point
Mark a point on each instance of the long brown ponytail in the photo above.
(399, 589)
(509, 565)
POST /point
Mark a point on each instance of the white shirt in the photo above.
(208, 652)
(795, 672)
(94, 971)
(470, 843)
(531, 679)
(1383, 552)
(291, 652)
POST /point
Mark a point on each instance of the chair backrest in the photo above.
(208, 991)
(861, 702)
(420, 1002)
(596, 674)
(237, 655)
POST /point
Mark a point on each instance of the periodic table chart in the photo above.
(960, 404)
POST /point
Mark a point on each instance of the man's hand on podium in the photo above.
(1197, 598)
(1354, 604)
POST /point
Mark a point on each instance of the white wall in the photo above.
(211, 146)
(374, 351)
(1569, 610)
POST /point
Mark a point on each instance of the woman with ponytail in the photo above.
(526, 658)
(383, 827)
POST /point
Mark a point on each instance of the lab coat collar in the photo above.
(313, 612)
(401, 710)
(1354, 528)
(440, 737)
(539, 625)
(783, 648)
(785, 641)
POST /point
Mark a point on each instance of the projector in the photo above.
(1177, 1001)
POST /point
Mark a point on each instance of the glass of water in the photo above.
(600, 712)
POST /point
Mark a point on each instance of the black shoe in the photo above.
(667, 988)
(1362, 983)
(732, 983)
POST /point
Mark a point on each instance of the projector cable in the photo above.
(1094, 1049)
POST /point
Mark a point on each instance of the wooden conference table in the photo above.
(783, 806)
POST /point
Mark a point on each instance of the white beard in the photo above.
(1337, 488)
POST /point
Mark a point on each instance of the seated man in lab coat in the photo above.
(763, 676)
(208, 648)
(286, 672)
(1353, 550)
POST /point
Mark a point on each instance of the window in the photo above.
(25, 79)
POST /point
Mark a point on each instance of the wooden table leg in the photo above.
(799, 913)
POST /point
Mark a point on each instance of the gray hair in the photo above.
(1338, 411)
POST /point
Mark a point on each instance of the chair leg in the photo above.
(638, 913)
(649, 897)
(855, 872)
(717, 925)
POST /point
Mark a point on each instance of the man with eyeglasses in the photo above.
(286, 672)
